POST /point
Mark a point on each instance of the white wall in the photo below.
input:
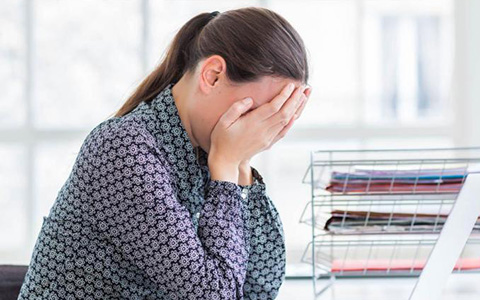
(467, 77)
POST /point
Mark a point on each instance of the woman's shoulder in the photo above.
(118, 132)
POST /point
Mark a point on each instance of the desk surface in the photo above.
(459, 287)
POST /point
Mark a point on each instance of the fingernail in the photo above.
(291, 86)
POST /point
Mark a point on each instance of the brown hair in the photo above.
(254, 42)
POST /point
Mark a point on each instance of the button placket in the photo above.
(244, 193)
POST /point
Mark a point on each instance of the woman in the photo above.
(161, 202)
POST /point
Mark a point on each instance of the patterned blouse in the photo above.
(140, 218)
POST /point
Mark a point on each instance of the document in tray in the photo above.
(372, 265)
(342, 221)
(398, 181)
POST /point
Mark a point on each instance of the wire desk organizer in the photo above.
(390, 213)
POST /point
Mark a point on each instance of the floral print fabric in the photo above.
(140, 218)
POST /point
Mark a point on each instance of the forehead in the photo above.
(265, 89)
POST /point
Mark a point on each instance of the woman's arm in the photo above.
(267, 259)
(154, 232)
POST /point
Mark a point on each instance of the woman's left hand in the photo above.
(297, 114)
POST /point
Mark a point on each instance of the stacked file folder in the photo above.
(342, 221)
(397, 181)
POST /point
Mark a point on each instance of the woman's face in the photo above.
(219, 99)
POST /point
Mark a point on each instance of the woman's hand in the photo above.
(245, 172)
(281, 134)
(236, 138)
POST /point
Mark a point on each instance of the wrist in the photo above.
(221, 169)
(244, 164)
(245, 174)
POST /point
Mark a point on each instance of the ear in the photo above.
(212, 73)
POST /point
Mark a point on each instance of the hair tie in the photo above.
(213, 14)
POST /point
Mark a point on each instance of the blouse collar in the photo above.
(189, 162)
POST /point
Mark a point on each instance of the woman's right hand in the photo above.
(236, 138)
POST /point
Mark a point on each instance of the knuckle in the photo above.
(284, 114)
(274, 108)
(265, 143)
(286, 93)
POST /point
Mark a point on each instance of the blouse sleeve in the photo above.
(136, 209)
(267, 259)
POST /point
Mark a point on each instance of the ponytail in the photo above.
(179, 59)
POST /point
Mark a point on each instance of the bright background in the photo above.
(388, 74)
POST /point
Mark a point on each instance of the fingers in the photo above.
(283, 116)
(266, 110)
(307, 93)
(285, 129)
(299, 110)
(235, 111)
(283, 132)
